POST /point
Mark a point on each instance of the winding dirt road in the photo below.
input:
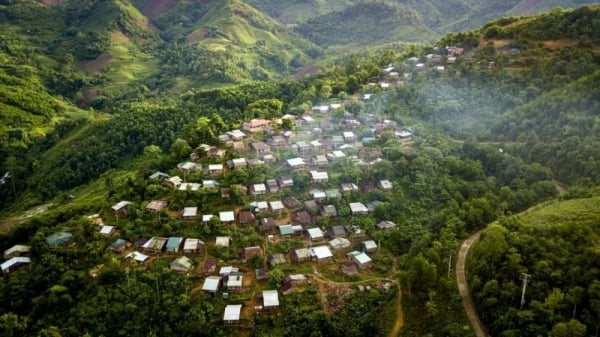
(463, 287)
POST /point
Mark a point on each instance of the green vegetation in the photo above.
(557, 245)
(364, 24)
(508, 122)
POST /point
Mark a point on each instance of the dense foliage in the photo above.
(556, 245)
(493, 132)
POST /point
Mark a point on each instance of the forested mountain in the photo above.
(445, 139)
(439, 15)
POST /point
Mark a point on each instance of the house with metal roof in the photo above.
(329, 211)
(14, 263)
(182, 263)
(270, 299)
(174, 244)
(368, 246)
(362, 260)
(155, 206)
(189, 213)
(137, 257)
(211, 284)
(275, 259)
(339, 243)
(299, 255)
(321, 253)
(231, 316)
(155, 245)
(227, 217)
(234, 281)
(315, 234)
(386, 225)
(222, 241)
(192, 246)
(358, 208)
(336, 232)
(16, 250)
(286, 230)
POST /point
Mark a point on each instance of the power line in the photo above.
(525, 277)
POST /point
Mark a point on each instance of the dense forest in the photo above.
(507, 122)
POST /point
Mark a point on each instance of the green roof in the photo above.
(286, 230)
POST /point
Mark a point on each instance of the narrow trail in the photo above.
(463, 287)
(398, 322)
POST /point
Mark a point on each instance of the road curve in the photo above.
(463, 287)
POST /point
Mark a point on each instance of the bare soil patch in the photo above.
(98, 64)
(155, 8)
(196, 36)
(556, 44)
(309, 70)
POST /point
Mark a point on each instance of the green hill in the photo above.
(366, 23)
(557, 246)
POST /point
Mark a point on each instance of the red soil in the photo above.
(98, 64)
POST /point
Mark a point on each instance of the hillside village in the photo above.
(301, 201)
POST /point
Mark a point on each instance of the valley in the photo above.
(287, 168)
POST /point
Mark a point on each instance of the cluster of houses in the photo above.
(324, 142)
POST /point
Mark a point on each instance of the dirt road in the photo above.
(463, 287)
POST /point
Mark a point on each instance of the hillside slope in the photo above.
(366, 23)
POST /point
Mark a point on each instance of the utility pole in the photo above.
(449, 265)
(525, 277)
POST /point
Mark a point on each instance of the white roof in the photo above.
(236, 133)
(226, 270)
(339, 243)
(207, 217)
(270, 298)
(295, 162)
(276, 205)
(403, 133)
(13, 261)
(106, 229)
(369, 244)
(211, 283)
(232, 312)
(260, 205)
(308, 119)
(187, 165)
(367, 96)
(215, 167)
(120, 205)
(347, 134)
(260, 188)
(235, 280)
(191, 244)
(239, 161)
(386, 184)
(189, 186)
(316, 175)
(321, 252)
(362, 258)
(315, 233)
(227, 216)
(315, 143)
(209, 183)
(15, 249)
(190, 211)
(335, 105)
(339, 154)
(139, 257)
(222, 241)
(316, 194)
(358, 207)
